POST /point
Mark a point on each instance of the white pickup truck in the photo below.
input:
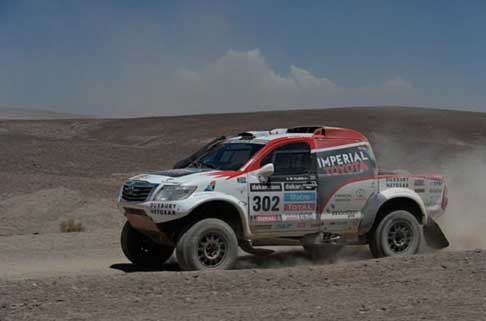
(308, 186)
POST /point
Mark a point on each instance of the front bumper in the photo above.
(159, 212)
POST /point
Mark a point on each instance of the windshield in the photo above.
(229, 156)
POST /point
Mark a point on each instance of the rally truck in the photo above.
(310, 186)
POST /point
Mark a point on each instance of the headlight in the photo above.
(174, 192)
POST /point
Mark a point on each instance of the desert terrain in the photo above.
(54, 170)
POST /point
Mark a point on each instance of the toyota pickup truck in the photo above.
(309, 186)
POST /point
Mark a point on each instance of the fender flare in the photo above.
(376, 201)
(204, 198)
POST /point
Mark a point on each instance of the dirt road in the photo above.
(443, 286)
(84, 276)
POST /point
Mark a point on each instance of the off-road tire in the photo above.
(396, 234)
(141, 250)
(209, 244)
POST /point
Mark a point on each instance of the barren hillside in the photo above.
(20, 113)
(60, 169)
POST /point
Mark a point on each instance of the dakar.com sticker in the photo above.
(265, 187)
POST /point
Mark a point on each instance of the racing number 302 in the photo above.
(265, 203)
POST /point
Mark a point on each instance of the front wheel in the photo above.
(210, 244)
(141, 250)
(397, 234)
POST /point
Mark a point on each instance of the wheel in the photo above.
(141, 250)
(323, 252)
(398, 233)
(210, 244)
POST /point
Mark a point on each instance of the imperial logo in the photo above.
(342, 159)
(345, 163)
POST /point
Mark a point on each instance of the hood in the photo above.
(187, 176)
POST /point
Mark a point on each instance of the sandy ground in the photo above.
(55, 170)
(445, 286)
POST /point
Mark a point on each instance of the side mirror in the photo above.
(265, 172)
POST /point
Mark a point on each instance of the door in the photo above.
(287, 202)
(347, 180)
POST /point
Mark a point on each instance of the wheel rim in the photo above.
(212, 249)
(399, 237)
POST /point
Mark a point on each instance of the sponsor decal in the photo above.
(436, 182)
(419, 182)
(300, 197)
(299, 207)
(435, 190)
(267, 218)
(360, 194)
(343, 198)
(241, 180)
(397, 182)
(420, 190)
(283, 226)
(299, 186)
(265, 187)
(210, 187)
(163, 209)
(344, 163)
(348, 213)
(296, 178)
(299, 217)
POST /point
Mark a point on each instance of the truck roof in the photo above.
(309, 132)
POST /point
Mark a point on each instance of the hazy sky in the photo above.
(125, 57)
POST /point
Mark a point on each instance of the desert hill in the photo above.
(21, 113)
(62, 168)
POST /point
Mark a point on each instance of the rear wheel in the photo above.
(141, 250)
(397, 234)
(210, 244)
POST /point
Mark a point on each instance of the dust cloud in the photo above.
(464, 222)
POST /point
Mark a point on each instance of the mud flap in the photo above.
(434, 237)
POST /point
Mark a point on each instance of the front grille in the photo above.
(137, 191)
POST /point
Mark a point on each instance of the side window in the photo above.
(290, 159)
